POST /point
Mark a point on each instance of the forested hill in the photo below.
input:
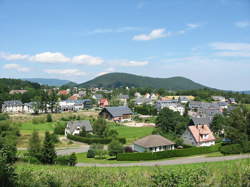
(49, 82)
(115, 80)
(17, 84)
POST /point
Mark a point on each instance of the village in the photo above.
(132, 111)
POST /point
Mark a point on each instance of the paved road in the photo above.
(68, 151)
(188, 160)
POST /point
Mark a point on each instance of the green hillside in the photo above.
(115, 80)
(49, 82)
(17, 84)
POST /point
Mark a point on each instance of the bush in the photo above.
(60, 128)
(167, 154)
(235, 148)
(67, 160)
(91, 153)
(128, 149)
(37, 120)
(90, 140)
(4, 116)
(30, 159)
(49, 118)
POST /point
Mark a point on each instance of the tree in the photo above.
(99, 126)
(83, 132)
(49, 118)
(115, 147)
(34, 148)
(7, 172)
(218, 124)
(72, 159)
(171, 122)
(48, 150)
(238, 127)
(91, 153)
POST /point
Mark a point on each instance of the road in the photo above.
(187, 160)
(67, 151)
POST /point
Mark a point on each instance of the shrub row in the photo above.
(167, 154)
(67, 160)
(93, 140)
(235, 148)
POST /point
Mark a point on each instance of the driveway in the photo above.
(68, 151)
(188, 160)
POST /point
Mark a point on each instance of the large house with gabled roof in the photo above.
(117, 113)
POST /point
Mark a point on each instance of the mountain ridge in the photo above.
(49, 82)
(117, 79)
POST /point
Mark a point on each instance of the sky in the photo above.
(207, 41)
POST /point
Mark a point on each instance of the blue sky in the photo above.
(207, 41)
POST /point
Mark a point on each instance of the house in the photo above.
(137, 94)
(198, 135)
(123, 98)
(223, 105)
(97, 96)
(183, 99)
(75, 127)
(232, 101)
(117, 113)
(13, 106)
(12, 92)
(219, 98)
(103, 103)
(74, 97)
(29, 107)
(63, 92)
(208, 112)
(142, 101)
(171, 104)
(200, 121)
(153, 143)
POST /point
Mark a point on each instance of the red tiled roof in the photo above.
(198, 130)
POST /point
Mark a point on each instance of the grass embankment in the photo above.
(226, 173)
(132, 133)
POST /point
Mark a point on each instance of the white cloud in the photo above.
(231, 46)
(231, 49)
(7, 56)
(65, 72)
(154, 34)
(16, 67)
(134, 63)
(193, 25)
(242, 24)
(234, 53)
(86, 59)
(49, 57)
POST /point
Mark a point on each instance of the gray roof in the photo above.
(201, 121)
(118, 111)
(13, 103)
(72, 125)
(98, 96)
(153, 141)
(121, 96)
(143, 100)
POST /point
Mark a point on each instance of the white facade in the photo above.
(13, 109)
(189, 140)
(141, 149)
(171, 105)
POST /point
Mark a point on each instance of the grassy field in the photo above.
(226, 173)
(132, 133)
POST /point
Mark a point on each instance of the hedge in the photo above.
(167, 154)
(235, 148)
(90, 140)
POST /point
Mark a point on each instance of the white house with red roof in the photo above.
(198, 135)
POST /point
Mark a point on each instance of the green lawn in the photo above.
(29, 127)
(132, 133)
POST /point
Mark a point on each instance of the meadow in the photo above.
(226, 173)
